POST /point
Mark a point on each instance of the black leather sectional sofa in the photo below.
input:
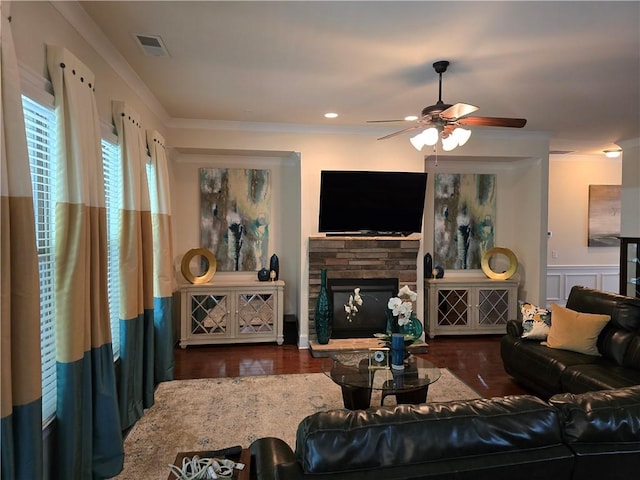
(584, 424)
(547, 371)
(590, 436)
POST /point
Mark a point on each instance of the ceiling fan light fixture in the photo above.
(430, 136)
(417, 141)
(449, 143)
(461, 135)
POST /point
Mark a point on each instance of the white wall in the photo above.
(631, 188)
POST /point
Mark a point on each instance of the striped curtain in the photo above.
(162, 256)
(136, 382)
(20, 311)
(88, 438)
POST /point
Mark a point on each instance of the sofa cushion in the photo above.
(624, 311)
(575, 331)
(535, 321)
(620, 332)
(538, 367)
(603, 429)
(343, 440)
(600, 375)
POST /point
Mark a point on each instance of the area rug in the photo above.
(214, 413)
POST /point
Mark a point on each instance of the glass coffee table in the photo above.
(358, 375)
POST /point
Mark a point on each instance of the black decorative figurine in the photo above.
(428, 266)
(274, 266)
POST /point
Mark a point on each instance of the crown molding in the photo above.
(87, 28)
(295, 128)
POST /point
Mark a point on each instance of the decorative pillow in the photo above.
(535, 321)
(575, 331)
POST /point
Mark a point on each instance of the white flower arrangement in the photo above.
(402, 305)
(351, 307)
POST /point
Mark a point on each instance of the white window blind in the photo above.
(112, 184)
(40, 128)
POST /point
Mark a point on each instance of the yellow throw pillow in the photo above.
(575, 331)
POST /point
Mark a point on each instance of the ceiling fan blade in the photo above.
(493, 122)
(385, 121)
(458, 110)
(400, 132)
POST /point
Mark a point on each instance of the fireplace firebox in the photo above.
(371, 317)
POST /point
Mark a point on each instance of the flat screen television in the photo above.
(371, 203)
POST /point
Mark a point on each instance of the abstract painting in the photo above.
(235, 206)
(604, 215)
(464, 219)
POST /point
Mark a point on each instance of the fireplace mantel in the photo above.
(363, 257)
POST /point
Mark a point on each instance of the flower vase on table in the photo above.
(412, 330)
(401, 318)
(323, 312)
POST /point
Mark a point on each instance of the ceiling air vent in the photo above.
(560, 152)
(152, 45)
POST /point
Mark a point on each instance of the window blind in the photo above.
(113, 184)
(40, 128)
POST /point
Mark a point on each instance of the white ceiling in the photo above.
(570, 68)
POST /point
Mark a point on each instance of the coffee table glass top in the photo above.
(353, 369)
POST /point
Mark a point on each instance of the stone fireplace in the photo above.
(354, 258)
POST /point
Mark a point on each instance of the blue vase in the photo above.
(412, 330)
(323, 314)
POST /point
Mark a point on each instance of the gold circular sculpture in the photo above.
(186, 265)
(513, 263)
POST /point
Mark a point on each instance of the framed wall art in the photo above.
(235, 207)
(604, 216)
(464, 219)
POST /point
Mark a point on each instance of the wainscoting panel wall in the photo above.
(560, 279)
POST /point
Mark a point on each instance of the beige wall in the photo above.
(569, 180)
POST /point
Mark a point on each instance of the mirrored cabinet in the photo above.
(630, 266)
(469, 306)
(231, 311)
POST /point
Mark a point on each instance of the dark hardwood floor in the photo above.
(475, 360)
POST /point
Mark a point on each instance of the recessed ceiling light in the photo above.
(411, 118)
(330, 115)
(612, 153)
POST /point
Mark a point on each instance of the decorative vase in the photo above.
(428, 266)
(414, 328)
(263, 275)
(397, 351)
(411, 331)
(274, 266)
(323, 312)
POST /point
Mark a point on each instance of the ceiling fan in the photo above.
(442, 119)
